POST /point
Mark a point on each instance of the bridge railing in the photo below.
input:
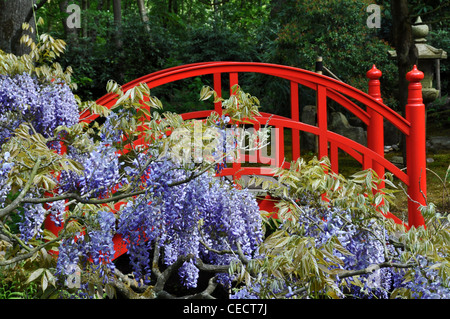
(329, 143)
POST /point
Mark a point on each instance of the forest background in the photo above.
(126, 39)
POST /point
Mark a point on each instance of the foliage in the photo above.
(333, 241)
(96, 62)
(13, 288)
(179, 220)
(40, 60)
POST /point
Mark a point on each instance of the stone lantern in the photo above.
(428, 61)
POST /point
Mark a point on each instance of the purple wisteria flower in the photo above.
(181, 218)
(5, 185)
(45, 105)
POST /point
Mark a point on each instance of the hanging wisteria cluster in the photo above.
(45, 106)
(100, 174)
(92, 248)
(366, 246)
(362, 248)
(424, 282)
(5, 185)
(197, 218)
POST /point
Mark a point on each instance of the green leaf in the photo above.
(112, 86)
(110, 291)
(206, 93)
(155, 102)
(51, 279)
(378, 199)
(35, 274)
(44, 282)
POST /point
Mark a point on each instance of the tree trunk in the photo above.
(407, 54)
(71, 33)
(84, 8)
(117, 11)
(12, 15)
(404, 45)
(143, 14)
(100, 5)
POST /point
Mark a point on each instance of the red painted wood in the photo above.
(334, 157)
(233, 81)
(416, 148)
(295, 116)
(218, 89)
(279, 147)
(322, 120)
(375, 128)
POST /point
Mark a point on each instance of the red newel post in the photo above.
(375, 129)
(416, 148)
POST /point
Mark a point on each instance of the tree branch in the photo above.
(19, 200)
(351, 273)
(33, 10)
(438, 8)
(129, 287)
(81, 199)
(210, 268)
(242, 258)
(37, 248)
(124, 289)
(205, 294)
(12, 237)
(165, 275)
(30, 253)
(96, 201)
(374, 267)
(162, 277)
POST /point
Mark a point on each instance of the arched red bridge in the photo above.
(373, 113)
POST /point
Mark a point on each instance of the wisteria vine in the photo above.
(180, 215)
(189, 219)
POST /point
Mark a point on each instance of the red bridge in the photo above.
(329, 143)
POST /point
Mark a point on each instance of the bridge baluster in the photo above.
(233, 80)
(334, 157)
(295, 115)
(217, 78)
(321, 98)
(240, 155)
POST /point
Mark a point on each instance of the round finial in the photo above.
(374, 73)
(415, 75)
